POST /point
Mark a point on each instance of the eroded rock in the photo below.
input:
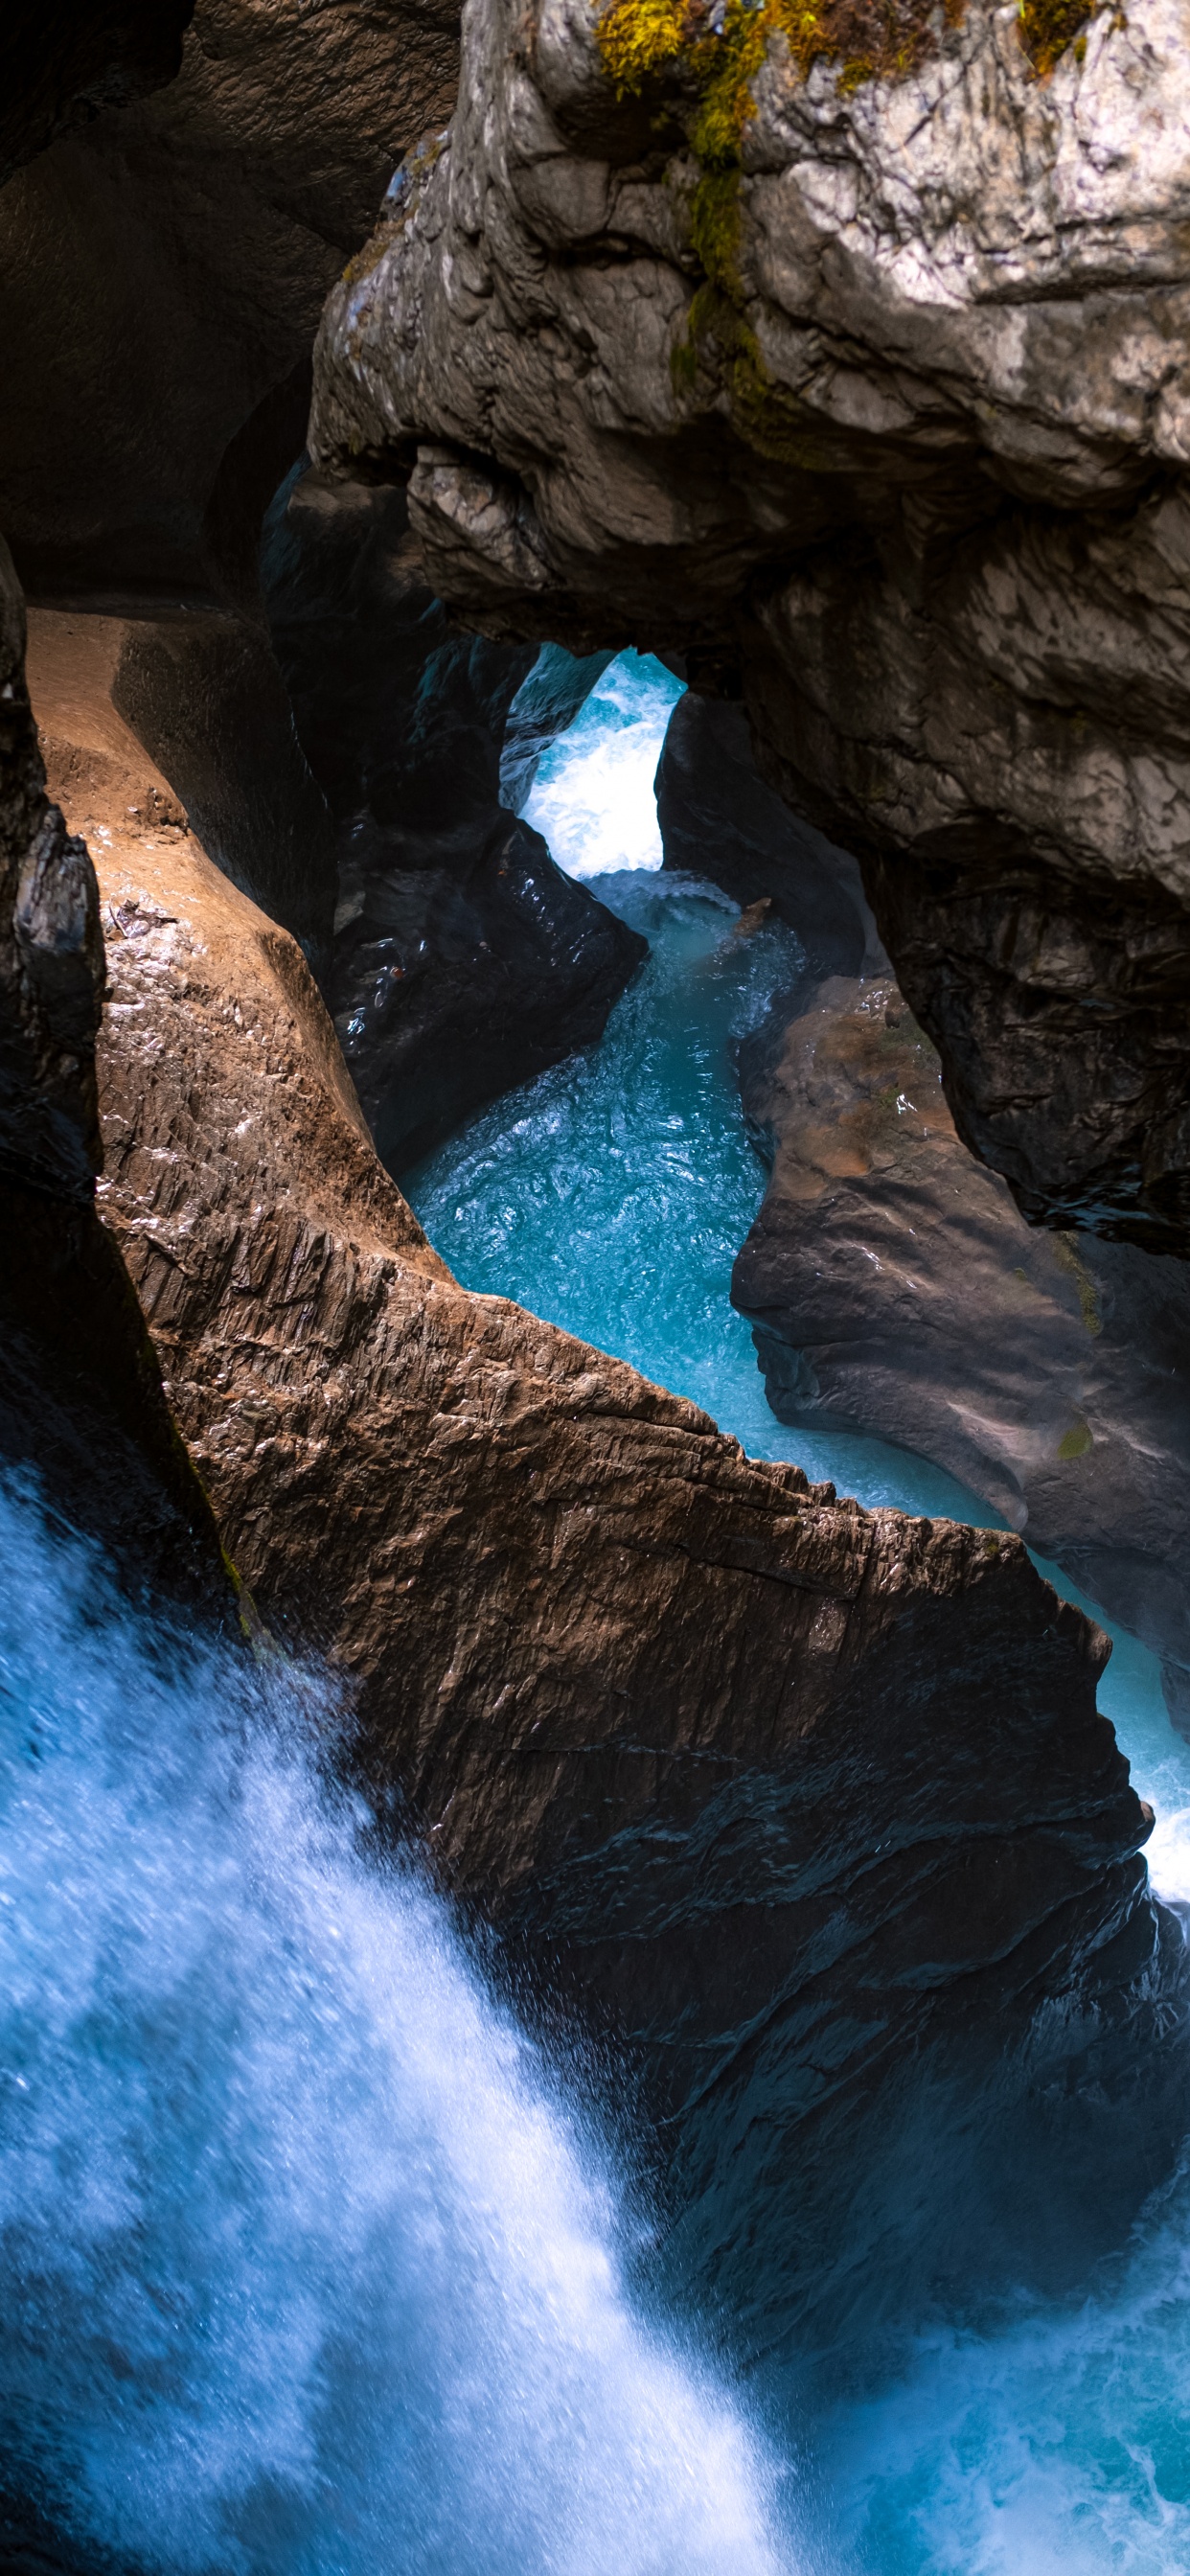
(897, 1290)
(889, 417)
(795, 1803)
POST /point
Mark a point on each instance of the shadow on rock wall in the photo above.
(464, 960)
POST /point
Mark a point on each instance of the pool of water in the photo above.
(611, 1195)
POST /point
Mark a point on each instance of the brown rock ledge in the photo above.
(773, 1787)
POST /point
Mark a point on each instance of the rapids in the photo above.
(309, 2262)
(611, 1195)
(305, 2264)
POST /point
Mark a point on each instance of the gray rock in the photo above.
(911, 462)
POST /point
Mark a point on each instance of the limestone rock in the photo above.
(718, 819)
(893, 428)
(464, 961)
(789, 1801)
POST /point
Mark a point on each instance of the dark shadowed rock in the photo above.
(464, 960)
(64, 62)
(162, 274)
(718, 819)
(81, 1405)
(882, 415)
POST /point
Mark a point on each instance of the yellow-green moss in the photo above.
(1088, 1293)
(1076, 1442)
(1047, 27)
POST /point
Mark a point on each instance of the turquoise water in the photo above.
(612, 1195)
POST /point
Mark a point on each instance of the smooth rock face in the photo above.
(794, 1801)
(912, 465)
(896, 1289)
(464, 961)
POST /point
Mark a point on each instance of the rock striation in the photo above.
(868, 390)
(800, 1808)
(463, 960)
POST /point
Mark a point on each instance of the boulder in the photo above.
(463, 961)
(804, 1812)
(848, 355)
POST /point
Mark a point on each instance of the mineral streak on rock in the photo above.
(783, 1793)
(892, 420)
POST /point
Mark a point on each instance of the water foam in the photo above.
(593, 793)
(302, 2263)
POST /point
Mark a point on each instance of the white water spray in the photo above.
(301, 2267)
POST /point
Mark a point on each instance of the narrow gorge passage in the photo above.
(611, 1196)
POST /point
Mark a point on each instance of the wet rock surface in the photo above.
(463, 960)
(789, 1799)
(719, 819)
(893, 427)
(896, 1289)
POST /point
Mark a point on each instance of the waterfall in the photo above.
(304, 2261)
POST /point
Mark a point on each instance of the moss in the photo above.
(711, 69)
(1047, 27)
(1088, 1293)
(1076, 1442)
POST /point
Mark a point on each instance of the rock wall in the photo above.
(896, 1289)
(161, 276)
(81, 1407)
(868, 390)
(783, 1799)
(463, 960)
(894, 1285)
